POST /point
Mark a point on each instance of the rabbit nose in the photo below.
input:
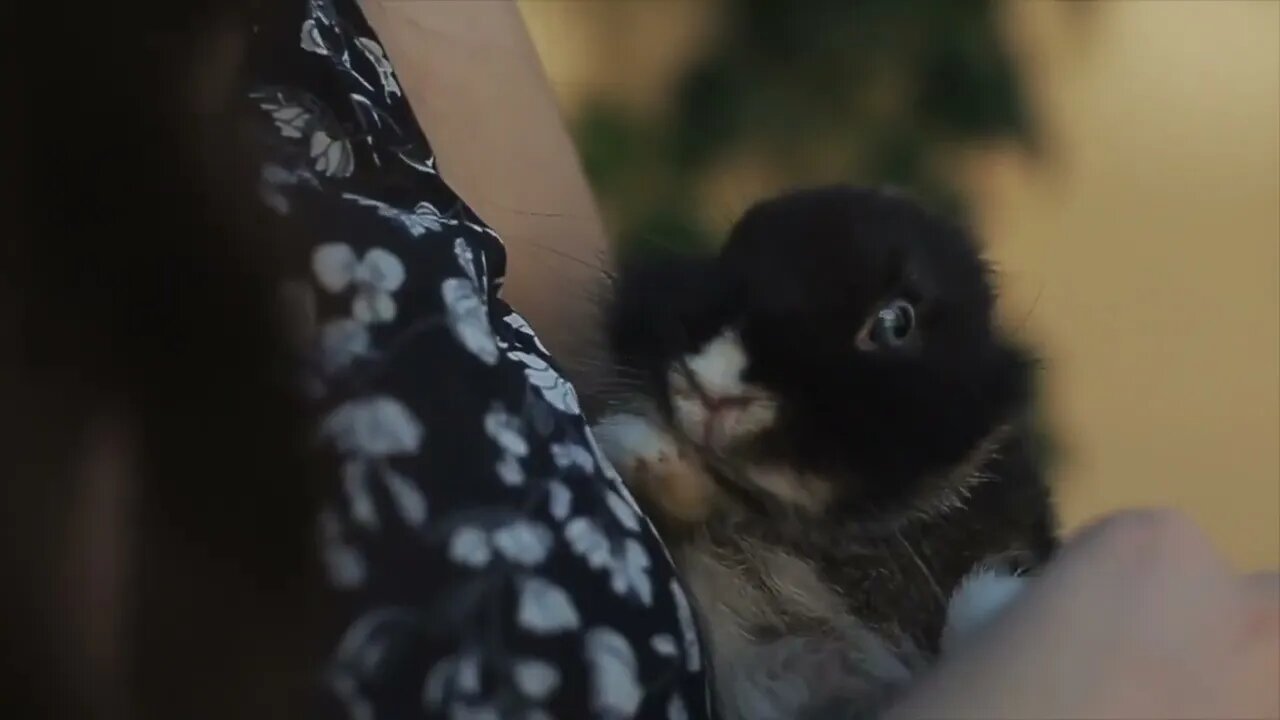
(709, 420)
(684, 385)
(721, 418)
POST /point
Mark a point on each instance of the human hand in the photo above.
(1139, 617)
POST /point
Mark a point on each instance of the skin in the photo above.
(1140, 617)
(503, 146)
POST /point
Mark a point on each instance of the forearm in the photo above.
(475, 81)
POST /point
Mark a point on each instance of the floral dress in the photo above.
(487, 561)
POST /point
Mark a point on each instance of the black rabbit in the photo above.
(832, 434)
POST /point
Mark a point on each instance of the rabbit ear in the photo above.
(897, 192)
(668, 304)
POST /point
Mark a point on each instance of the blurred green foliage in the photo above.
(868, 91)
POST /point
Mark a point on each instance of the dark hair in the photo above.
(138, 285)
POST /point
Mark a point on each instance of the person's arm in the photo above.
(1139, 618)
(475, 82)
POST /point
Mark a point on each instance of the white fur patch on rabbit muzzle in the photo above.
(981, 596)
(712, 404)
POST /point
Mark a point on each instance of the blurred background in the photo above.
(1120, 160)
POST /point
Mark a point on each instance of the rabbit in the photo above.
(832, 435)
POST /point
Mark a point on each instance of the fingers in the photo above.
(1265, 587)
(1161, 546)
(1262, 612)
(1261, 645)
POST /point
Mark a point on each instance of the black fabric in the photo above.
(487, 560)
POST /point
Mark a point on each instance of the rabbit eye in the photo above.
(891, 327)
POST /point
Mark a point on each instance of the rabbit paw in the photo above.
(980, 597)
(653, 464)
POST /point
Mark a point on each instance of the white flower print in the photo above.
(523, 542)
(545, 608)
(427, 166)
(664, 645)
(439, 677)
(568, 456)
(468, 320)
(274, 199)
(469, 546)
(290, 119)
(429, 216)
(504, 429)
(630, 572)
(424, 217)
(348, 692)
(614, 674)
(466, 675)
(360, 653)
(684, 613)
(274, 177)
(676, 709)
(369, 431)
(588, 541)
(344, 564)
(560, 501)
(271, 195)
(451, 674)
(625, 513)
(374, 52)
(311, 40)
(281, 176)
(537, 679)
(627, 565)
(323, 11)
(334, 265)
(366, 642)
(359, 500)
(380, 274)
(330, 153)
(375, 277)
(509, 470)
(554, 389)
(484, 229)
(407, 498)
(342, 342)
(376, 427)
(519, 323)
(467, 261)
(332, 156)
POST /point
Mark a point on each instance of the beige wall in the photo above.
(1143, 253)
(1153, 242)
